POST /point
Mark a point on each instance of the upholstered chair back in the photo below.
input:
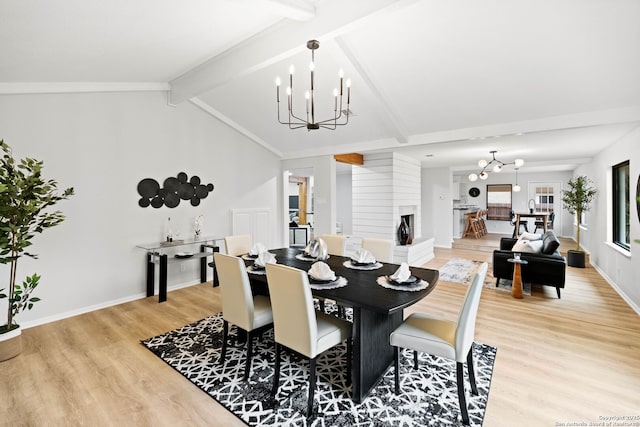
(294, 318)
(466, 326)
(239, 244)
(335, 244)
(237, 299)
(382, 249)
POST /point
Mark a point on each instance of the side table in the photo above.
(516, 287)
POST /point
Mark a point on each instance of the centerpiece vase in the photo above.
(403, 232)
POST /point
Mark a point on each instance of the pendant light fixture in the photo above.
(516, 188)
(497, 166)
(295, 122)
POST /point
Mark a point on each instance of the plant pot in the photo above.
(575, 258)
(10, 344)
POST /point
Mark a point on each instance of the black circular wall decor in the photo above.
(638, 197)
(474, 191)
(174, 189)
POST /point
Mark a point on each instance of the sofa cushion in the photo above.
(550, 243)
(531, 246)
(530, 236)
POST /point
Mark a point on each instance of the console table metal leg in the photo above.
(203, 265)
(151, 269)
(162, 291)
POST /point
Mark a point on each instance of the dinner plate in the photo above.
(362, 264)
(251, 256)
(257, 267)
(319, 281)
(183, 254)
(412, 280)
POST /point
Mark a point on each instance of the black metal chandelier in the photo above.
(295, 122)
(497, 166)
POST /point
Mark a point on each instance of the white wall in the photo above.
(618, 268)
(344, 194)
(437, 206)
(103, 145)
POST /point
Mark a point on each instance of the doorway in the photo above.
(546, 196)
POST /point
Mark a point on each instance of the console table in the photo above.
(156, 254)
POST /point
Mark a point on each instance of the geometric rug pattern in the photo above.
(429, 394)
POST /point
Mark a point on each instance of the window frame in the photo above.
(621, 205)
(506, 188)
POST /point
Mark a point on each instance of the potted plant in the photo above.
(24, 197)
(577, 199)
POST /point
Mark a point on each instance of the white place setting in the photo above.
(322, 277)
(362, 260)
(402, 280)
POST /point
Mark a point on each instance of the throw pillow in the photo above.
(550, 244)
(530, 236)
(530, 246)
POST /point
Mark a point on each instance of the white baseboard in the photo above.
(87, 309)
(620, 292)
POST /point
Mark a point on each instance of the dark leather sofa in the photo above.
(545, 268)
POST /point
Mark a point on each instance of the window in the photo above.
(621, 205)
(499, 202)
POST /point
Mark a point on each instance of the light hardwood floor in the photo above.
(559, 361)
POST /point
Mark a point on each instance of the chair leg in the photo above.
(558, 292)
(396, 364)
(349, 359)
(225, 336)
(497, 281)
(321, 304)
(276, 373)
(461, 397)
(415, 359)
(312, 385)
(247, 364)
(472, 374)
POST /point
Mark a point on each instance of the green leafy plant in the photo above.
(24, 198)
(577, 199)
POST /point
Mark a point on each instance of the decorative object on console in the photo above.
(25, 197)
(531, 205)
(175, 189)
(295, 122)
(577, 199)
(198, 225)
(497, 166)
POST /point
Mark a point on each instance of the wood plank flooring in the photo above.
(559, 361)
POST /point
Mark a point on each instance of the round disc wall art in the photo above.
(174, 190)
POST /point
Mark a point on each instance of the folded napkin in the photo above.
(257, 249)
(363, 256)
(265, 258)
(321, 271)
(402, 274)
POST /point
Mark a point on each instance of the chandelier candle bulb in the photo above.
(278, 89)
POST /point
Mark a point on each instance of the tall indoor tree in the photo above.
(25, 197)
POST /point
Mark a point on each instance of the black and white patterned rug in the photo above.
(429, 394)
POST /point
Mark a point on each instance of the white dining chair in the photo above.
(335, 244)
(239, 306)
(444, 338)
(239, 244)
(299, 327)
(382, 249)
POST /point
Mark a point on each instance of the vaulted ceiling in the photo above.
(445, 81)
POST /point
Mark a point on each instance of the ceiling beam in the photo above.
(393, 122)
(19, 88)
(332, 18)
(350, 158)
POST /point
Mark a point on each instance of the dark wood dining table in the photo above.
(377, 311)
